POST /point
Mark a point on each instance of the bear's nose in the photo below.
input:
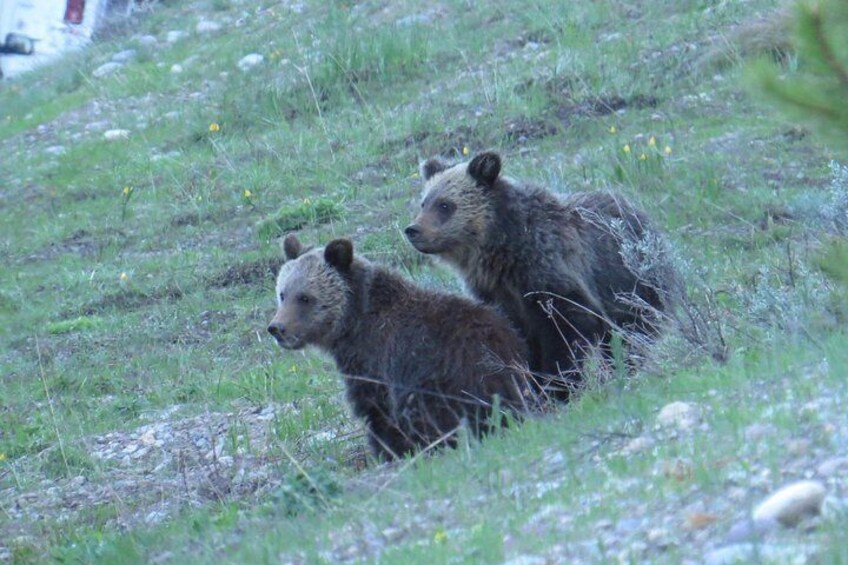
(277, 330)
(412, 231)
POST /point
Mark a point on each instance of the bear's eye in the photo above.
(445, 208)
(303, 299)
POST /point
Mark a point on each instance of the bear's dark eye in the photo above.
(303, 299)
(445, 208)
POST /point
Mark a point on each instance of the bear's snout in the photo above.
(412, 232)
(277, 330)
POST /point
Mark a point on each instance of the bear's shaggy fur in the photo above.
(417, 364)
(556, 267)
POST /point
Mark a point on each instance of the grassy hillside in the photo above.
(145, 415)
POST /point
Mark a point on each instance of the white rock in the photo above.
(148, 438)
(393, 534)
(116, 134)
(829, 467)
(637, 445)
(207, 26)
(147, 40)
(414, 19)
(249, 61)
(176, 68)
(527, 560)
(792, 502)
(757, 431)
(682, 415)
(124, 56)
(106, 69)
(97, 126)
(155, 517)
(174, 36)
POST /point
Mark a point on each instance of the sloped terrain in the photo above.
(145, 415)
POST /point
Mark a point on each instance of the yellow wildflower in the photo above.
(667, 150)
(247, 194)
(465, 150)
(2, 456)
(643, 157)
(213, 127)
(126, 191)
(612, 129)
(627, 148)
(124, 277)
(440, 536)
(652, 142)
(307, 201)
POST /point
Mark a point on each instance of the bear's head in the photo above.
(456, 209)
(313, 293)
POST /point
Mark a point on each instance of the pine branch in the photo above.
(824, 44)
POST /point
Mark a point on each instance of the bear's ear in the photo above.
(292, 247)
(485, 168)
(432, 166)
(339, 254)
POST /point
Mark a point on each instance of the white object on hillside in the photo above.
(249, 61)
(43, 21)
(792, 502)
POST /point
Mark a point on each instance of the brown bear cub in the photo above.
(562, 270)
(417, 364)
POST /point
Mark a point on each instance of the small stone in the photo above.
(174, 36)
(124, 56)
(249, 61)
(393, 534)
(637, 445)
(751, 529)
(155, 517)
(757, 431)
(147, 438)
(97, 126)
(176, 68)
(207, 26)
(106, 69)
(116, 134)
(414, 19)
(798, 447)
(147, 40)
(526, 560)
(660, 537)
(627, 526)
(682, 415)
(791, 503)
(829, 467)
(730, 554)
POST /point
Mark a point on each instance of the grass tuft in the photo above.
(306, 213)
(80, 324)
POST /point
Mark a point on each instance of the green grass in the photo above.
(118, 306)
